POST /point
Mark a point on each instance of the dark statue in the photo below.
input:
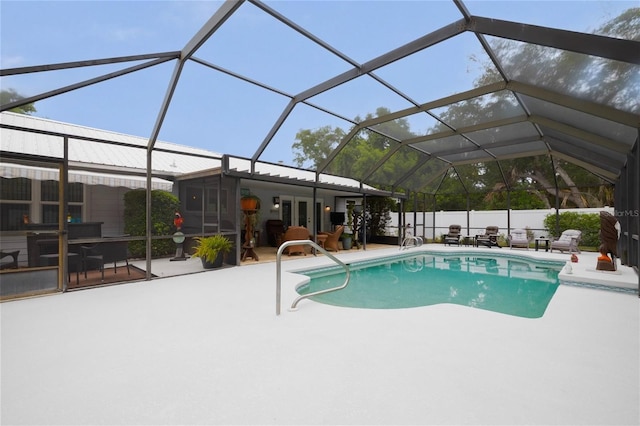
(609, 234)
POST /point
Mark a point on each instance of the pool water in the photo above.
(512, 286)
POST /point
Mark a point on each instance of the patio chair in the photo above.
(114, 252)
(296, 233)
(92, 255)
(519, 238)
(333, 239)
(104, 253)
(489, 238)
(453, 237)
(568, 241)
(9, 263)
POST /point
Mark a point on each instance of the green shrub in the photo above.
(378, 215)
(163, 208)
(588, 223)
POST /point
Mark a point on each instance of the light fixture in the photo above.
(276, 202)
(327, 208)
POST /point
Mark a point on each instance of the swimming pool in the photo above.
(506, 284)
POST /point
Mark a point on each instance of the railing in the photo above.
(417, 242)
(304, 296)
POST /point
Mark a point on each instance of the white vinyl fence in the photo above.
(424, 224)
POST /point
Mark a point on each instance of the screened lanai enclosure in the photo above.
(444, 105)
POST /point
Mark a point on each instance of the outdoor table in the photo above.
(546, 243)
(320, 239)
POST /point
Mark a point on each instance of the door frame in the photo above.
(295, 204)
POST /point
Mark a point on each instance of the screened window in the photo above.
(16, 189)
(50, 213)
(49, 195)
(13, 212)
(194, 199)
(13, 215)
(49, 191)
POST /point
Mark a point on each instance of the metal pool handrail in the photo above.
(417, 241)
(304, 296)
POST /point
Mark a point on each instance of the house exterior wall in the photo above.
(106, 204)
(266, 191)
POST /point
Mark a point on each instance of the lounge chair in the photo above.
(333, 239)
(519, 238)
(568, 241)
(453, 237)
(489, 238)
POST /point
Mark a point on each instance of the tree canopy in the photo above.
(540, 181)
(10, 95)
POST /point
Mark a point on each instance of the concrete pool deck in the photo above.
(207, 348)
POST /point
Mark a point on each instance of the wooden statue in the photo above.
(609, 234)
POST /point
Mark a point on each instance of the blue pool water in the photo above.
(509, 285)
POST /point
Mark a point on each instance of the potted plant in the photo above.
(211, 250)
(250, 202)
(347, 240)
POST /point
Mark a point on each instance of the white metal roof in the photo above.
(98, 149)
(124, 151)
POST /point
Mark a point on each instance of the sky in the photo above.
(214, 111)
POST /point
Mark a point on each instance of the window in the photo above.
(50, 213)
(16, 189)
(18, 204)
(49, 195)
(49, 191)
(14, 192)
(194, 199)
(12, 216)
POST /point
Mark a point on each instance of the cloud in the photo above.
(11, 61)
(125, 34)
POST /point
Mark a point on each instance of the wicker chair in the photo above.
(296, 233)
(333, 239)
